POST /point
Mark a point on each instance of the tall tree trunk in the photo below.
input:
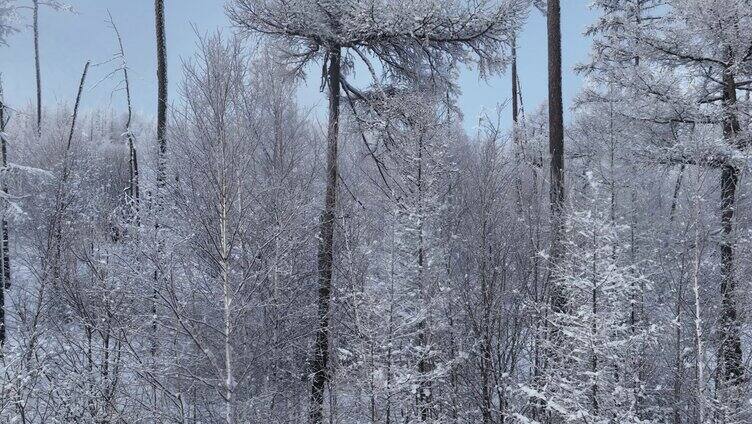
(515, 95)
(730, 351)
(228, 297)
(679, 356)
(37, 66)
(486, 360)
(698, 331)
(320, 358)
(161, 173)
(54, 265)
(390, 325)
(133, 186)
(678, 308)
(556, 296)
(424, 396)
(594, 330)
(5, 271)
(518, 145)
(162, 93)
(556, 146)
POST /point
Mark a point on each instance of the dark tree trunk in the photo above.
(515, 104)
(133, 186)
(133, 180)
(37, 66)
(424, 396)
(556, 146)
(594, 333)
(320, 359)
(161, 175)
(5, 272)
(61, 201)
(133, 190)
(162, 93)
(516, 140)
(730, 351)
(79, 94)
(556, 297)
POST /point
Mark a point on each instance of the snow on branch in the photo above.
(400, 34)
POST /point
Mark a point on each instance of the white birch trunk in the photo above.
(700, 354)
(228, 294)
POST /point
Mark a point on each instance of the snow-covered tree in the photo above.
(406, 38)
(8, 17)
(675, 68)
(593, 377)
(426, 291)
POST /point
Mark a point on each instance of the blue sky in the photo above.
(68, 39)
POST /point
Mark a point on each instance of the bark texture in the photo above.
(161, 172)
(320, 360)
(556, 144)
(515, 95)
(162, 92)
(5, 283)
(37, 65)
(133, 184)
(730, 350)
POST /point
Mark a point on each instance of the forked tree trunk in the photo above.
(320, 359)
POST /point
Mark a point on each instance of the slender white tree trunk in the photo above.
(700, 355)
(228, 303)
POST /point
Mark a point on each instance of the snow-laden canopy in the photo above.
(7, 19)
(403, 35)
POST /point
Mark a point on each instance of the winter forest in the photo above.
(236, 258)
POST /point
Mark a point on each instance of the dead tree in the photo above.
(133, 183)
